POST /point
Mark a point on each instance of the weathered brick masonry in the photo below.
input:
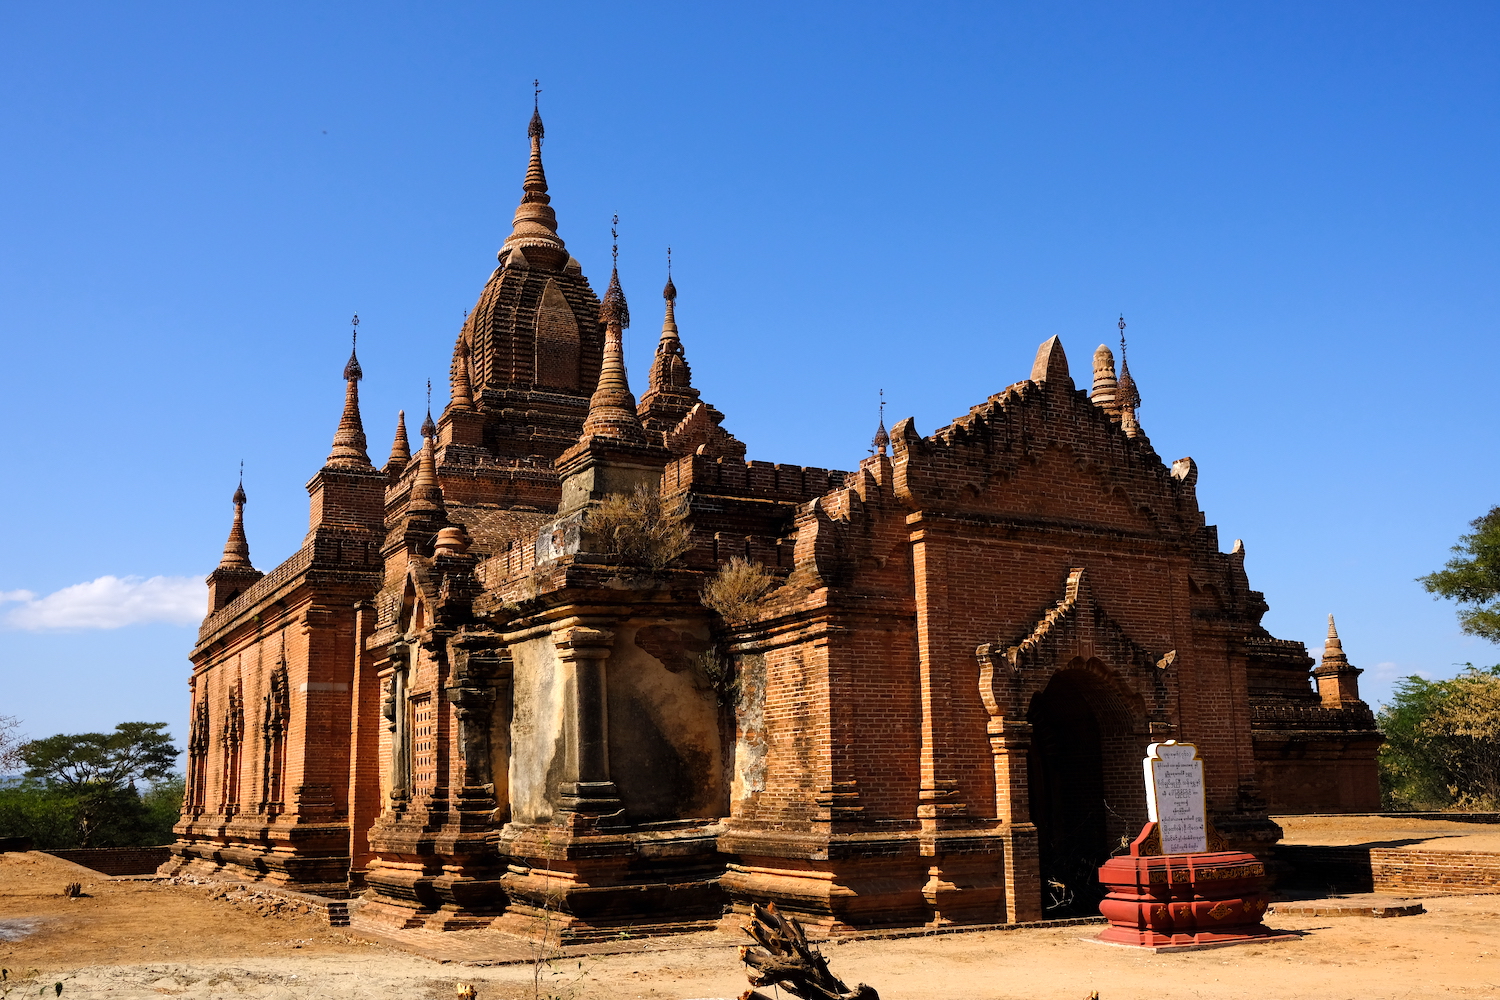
(117, 860)
(1399, 871)
(454, 700)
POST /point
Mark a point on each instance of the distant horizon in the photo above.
(1293, 207)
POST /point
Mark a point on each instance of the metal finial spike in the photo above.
(669, 263)
(352, 370)
(535, 130)
(882, 439)
(429, 395)
(614, 235)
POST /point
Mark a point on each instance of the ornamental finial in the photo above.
(882, 437)
(535, 130)
(352, 371)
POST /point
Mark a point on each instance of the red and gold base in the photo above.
(1183, 901)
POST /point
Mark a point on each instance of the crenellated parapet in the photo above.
(728, 477)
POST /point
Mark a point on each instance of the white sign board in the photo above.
(1174, 796)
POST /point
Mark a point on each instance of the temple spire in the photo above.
(669, 322)
(612, 411)
(426, 494)
(534, 229)
(669, 368)
(1333, 645)
(1338, 680)
(1127, 397)
(237, 548)
(401, 447)
(462, 398)
(882, 436)
(349, 440)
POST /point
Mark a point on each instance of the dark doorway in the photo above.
(1066, 774)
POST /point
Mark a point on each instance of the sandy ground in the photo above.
(1389, 831)
(132, 939)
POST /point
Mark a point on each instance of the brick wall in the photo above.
(1388, 869)
(117, 860)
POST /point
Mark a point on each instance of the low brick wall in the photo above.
(1447, 817)
(117, 860)
(1388, 869)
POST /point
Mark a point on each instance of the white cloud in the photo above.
(108, 602)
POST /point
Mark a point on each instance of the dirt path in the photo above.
(1390, 831)
(133, 940)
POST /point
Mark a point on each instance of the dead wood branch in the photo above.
(782, 957)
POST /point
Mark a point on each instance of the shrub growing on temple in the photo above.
(736, 590)
(642, 528)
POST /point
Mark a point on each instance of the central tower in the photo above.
(525, 363)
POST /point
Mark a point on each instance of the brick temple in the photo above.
(458, 701)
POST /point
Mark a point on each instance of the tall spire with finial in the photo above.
(612, 408)
(349, 440)
(426, 494)
(670, 374)
(882, 437)
(669, 323)
(534, 231)
(463, 398)
(237, 548)
(1127, 397)
(401, 447)
(234, 574)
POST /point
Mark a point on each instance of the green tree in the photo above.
(162, 804)
(47, 816)
(98, 772)
(1472, 578)
(1442, 746)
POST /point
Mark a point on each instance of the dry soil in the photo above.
(139, 939)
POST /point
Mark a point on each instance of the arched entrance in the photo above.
(1082, 754)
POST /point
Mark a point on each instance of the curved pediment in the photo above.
(1074, 632)
(1075, 628)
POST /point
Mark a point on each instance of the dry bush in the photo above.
(736, 590)
(718, 672)
(642, 528)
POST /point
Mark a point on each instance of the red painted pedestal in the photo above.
(1184, 900)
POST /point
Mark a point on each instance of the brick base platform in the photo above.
(1351, 906)
(1388, 870)
(117, 860)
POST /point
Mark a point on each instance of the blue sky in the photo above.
(1293, 204)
